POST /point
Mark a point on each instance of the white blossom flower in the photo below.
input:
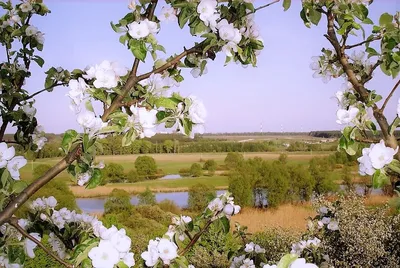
(258, 249)
(297, 248)
(313, 242)
(346, 116)
(326, 220)
(229, 47)
(83, 178)
(168, 14)
(151, 255)
(25, 7)
(323, 210)
(216, 205)
(29, 110)
(333, 226)
(301, 263)
(89, 121)
(6, 154)
(107, 74)
(247, 263)
(108, 233)
(57, 245)
(146, 119)
(121, 241)
(381, 155)
(228, 32)
(197, 111)
(14, 165)
(50, 201)
(167, 250)
(31, 30)
(29, 245)
(104, 256)
(40, 37)
(128, 259)
(206, 9)
(138, 30)
(269, 266)
(249, 247)
(365, 166)
(132, 5)
(77, 90)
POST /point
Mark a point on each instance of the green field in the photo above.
(170, 163)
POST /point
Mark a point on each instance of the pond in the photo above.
(90, 205)
(171, 177)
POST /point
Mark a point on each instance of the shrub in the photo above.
(319, 169)
(199, 196)
(146, 167)
(147, 197)
(276, 242)
(117, 201)
(132, 176)
(113, 172)
(196, 170)
(184, 172)
(233, 159)
(210, 166)
(283, 158)
(170, 206)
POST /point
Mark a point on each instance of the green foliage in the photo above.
(275, 179)
(147, 197)
(184, 172)
(196, 170)
(117, 201)
(232, 160)
(276, 242)
(199, 196)
(241, 187)
(40, 170)
(42, 259)
(211, 166)
(146, 167)
(319, 169)
(170, 206)
(283, 158)
(168, 146)
(347, 178)
(132, 176)
(301, 183)
(113, 172)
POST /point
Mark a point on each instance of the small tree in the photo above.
(346, 177)
(118, 201)
(199, 196)
(113, 172)
(211, 166)
(168, 146)
(196, 170)
(233, 159)
(147, 197)
(146, 167)
(132, 176)
(283, 158)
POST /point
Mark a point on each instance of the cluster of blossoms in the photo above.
(245, 262)
(38, 137)
(143, 121)
(311, 244)
(142, 29)
(323, 67)
(178, 227)
(222, 206)
(158, 84)
(160, 249)
(28, 109)
(32, 31)
(113, 246)
(377, 156)
(9, 160)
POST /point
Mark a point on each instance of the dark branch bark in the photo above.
(14, 223)
(195, 238)
(363, 42)
(43, 90)
(389, 96)
(13, 206)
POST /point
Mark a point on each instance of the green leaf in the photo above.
(394, 125)
(86, 263)
(225, 224)
(16, 254)
(379, 179)
(89, 106)
(4, 177)
(187, 125)
(286, 260)
(82, 250)
(183, 17)
(138, 48)
(351, 148)
(128, 138)
(69, 137)
(19, 186)
(116, 29)
(315, 16)
(167, 103)
(95, 180)
(86, 141)
(395, 166)
(121, 264)
(38, 60)
(385, 19)
(286, 4)
(371, 52)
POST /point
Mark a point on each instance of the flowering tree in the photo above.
(134, 103)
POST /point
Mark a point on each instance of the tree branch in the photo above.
(45, 89)
(14, 223)
(363, 42)
(358, 85)
(389, 96)
(264, 6)
(9, 141)
(195, 238)
(8, 212)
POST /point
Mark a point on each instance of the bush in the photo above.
(170, 206)
(276, 242)
(199, 196)
(184, 172)
(210, 166)
(146, 167)
(117, 201)
(147, 197)
(132, 176)
(196, 170)
(232, 160)
(113, 172)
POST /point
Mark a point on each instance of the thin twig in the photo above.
(9, 141)
(364, 42)
(267, 5)
(195, 238)
(14, 223)
(45, 89)
(365, 140)
(389, 96)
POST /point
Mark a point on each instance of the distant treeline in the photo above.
(338, 134)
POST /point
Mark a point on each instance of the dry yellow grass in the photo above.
(290, 217)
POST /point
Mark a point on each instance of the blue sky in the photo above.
(280, 93)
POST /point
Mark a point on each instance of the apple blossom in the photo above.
(206, 9)
(323, 210)
(132, 5)
(301, 263)
(333, 226)
(89, 121)
(25, 7)
(197, 111)
(258, 249)
(29, 110)
(121, 241)
(50, 201)
(138, 30)
(228, 32)
(106, 74)
(40, 37)
(104, 255)
(167, 250)
(228, 48)
(57, 245)
(77, 90)
(14, 165)
(6, 154)
(143, 120)
(346, 116)
(128, 259)
(29, 245)
(168, 14)
(365, 167)
(216, 205)
(375, 157)
(83, 178)
(247, 263)
(151, 255)
(31, 30)
(249, 247)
